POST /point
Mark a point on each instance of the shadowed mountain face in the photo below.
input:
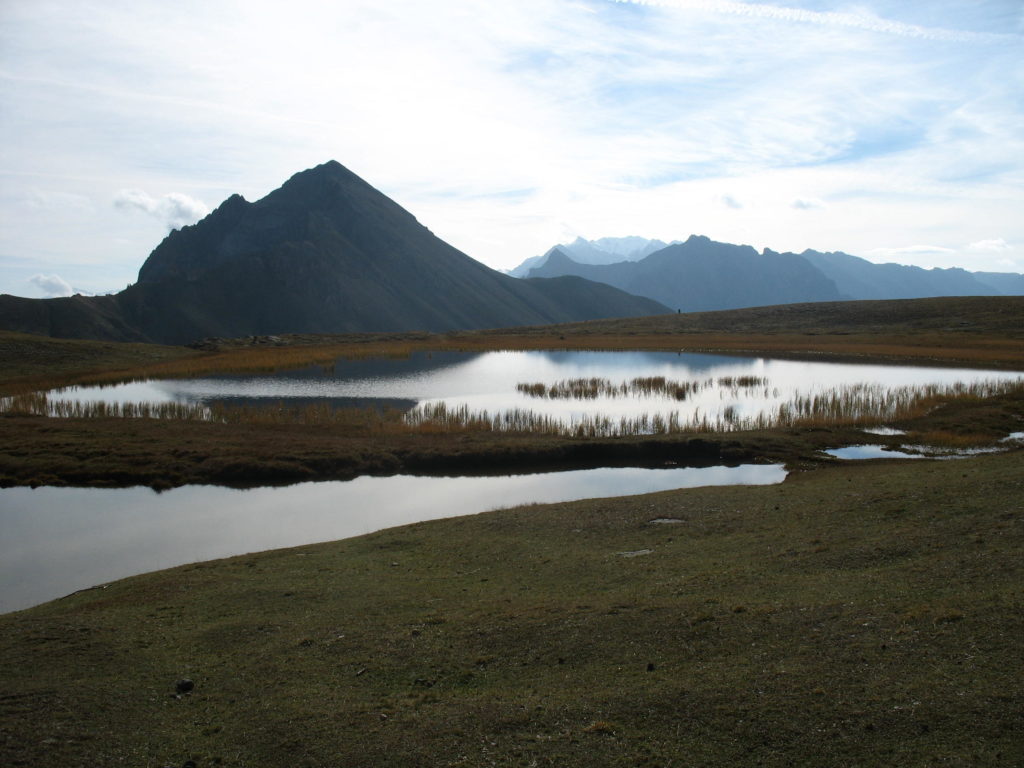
(325, 253)
(701, 274)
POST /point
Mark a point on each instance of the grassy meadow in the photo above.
(862, 614)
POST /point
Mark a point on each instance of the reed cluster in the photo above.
(647, 386)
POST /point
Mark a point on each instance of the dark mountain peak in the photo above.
(326, 198)
(234, 201)
(558, 257)
(321, 187)
(555, 262)
(331, 171)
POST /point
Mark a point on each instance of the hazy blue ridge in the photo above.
(709, 275)
(702, 274)
(862, 279)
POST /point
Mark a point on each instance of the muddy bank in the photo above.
(165, 454)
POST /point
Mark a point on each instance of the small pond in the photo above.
(871, 452)
(58, 540)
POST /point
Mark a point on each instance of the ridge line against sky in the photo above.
(890, 130)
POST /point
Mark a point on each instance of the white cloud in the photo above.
(804, 204)
(991, 246)
(731, 202)
(52, 286)
(174, 209)
(910, 250)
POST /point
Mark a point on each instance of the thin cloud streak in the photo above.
(827, 18)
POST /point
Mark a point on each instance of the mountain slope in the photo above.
(858, 278)
(1007, 283)
(324, 253)
(701, 274)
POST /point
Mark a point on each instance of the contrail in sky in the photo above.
(825, 18)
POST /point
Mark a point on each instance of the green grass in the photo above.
(860, 615)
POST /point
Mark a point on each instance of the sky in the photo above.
(889, 129)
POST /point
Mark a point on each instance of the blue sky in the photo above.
(890, 130)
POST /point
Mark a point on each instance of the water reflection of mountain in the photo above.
(629, 362)
(367, 368)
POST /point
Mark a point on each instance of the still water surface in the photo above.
(487, 382)
(58, 540)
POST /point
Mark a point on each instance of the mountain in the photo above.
(858, 278)
(1007, 283)
(709, 275)
(702, 274)
(324, 253)
(606, 250)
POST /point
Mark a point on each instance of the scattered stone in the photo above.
(184, 685)
(636, 553)
(667, 521)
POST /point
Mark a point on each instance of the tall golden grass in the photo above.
(363, 419)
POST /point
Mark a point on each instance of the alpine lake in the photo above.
(59, 540)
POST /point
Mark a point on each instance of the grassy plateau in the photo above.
(867, 614)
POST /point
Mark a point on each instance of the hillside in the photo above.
(324, 253)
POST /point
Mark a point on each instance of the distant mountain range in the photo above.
(701, 274)
(324, 253)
